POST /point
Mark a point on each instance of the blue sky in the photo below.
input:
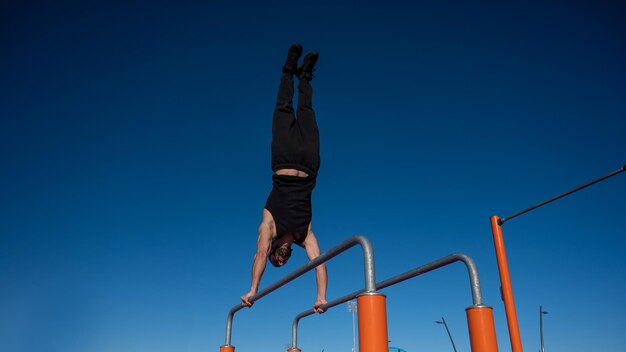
(135, 164)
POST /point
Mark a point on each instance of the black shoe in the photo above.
(306, 70)
(291, 64)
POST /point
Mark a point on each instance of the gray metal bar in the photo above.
(477, 299)
(368, 262)
(501, 221)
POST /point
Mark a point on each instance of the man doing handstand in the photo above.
(295, 161)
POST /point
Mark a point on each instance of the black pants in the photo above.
(295, 138)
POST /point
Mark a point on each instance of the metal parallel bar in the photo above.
(505, 219)
(368, 261)
(452, 258)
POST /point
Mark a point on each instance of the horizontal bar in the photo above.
(452, 258)
(368, 259)
(503, 220)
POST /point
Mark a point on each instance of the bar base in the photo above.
(482, 329)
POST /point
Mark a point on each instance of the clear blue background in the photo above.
(134, 166)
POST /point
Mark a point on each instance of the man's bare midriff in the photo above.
(291, 172)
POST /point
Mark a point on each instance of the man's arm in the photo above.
(313, 251)
(260, 260)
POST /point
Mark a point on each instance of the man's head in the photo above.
(281, 250)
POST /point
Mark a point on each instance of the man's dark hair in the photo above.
(278, 250)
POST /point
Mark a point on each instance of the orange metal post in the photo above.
(227, 348)
(482, 329)
(507, 288)
(294, 350)
(372, 311)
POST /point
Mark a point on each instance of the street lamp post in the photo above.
(541, 313)
(443, 321)
(353, 309)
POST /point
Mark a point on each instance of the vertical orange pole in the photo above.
(482, 329)
(507, 288)
(294, 350)
(227, 348)
(372, 311)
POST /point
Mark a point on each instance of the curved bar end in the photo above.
(368, 258)
(472, 270)
(294, 327)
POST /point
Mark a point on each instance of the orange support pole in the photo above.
(227, 348)
(482, 329)
(372, 311)
(507, 288)
(294, 350)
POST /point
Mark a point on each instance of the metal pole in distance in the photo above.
(449, 334)
(482, 329)
(541, 327)
(352, 309)
(443, 321)
(372, 315)
(507, 288)
(541, 313)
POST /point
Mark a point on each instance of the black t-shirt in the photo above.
(290, 205)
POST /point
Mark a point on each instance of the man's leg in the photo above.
(283, 112)
(284, 117)
(306, 114)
